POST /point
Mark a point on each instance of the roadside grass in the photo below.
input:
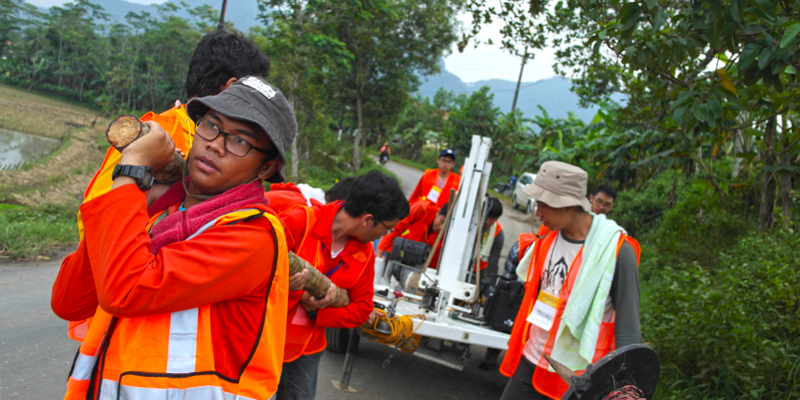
(26, 232)
(502, 197)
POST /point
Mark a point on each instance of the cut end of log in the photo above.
(124, 130)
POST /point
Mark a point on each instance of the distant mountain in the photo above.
(553, 94)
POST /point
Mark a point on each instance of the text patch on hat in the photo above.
(262, 87)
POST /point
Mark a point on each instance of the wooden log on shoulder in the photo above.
(317, 283)
(126, 129)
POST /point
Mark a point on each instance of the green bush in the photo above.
(640, 211)
(731, 331)
(26, 232)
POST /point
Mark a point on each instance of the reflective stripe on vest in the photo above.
(187, 369)
(111, 390)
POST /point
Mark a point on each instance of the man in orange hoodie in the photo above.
(336, 238)
(423, 223)
(189, 295)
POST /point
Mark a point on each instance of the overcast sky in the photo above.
(474, 64)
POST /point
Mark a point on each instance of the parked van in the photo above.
(520, 199)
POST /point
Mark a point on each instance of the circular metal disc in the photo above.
(634, 364)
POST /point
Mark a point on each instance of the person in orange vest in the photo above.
(219, 60)
(336, 238)
(189, 295)
(435, 184)
(423, 223)
(582, 288)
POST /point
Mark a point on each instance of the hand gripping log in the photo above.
(126, 129)
(317, 283)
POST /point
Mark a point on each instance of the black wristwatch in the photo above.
(143, 175)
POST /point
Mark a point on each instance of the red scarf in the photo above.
(178, 226)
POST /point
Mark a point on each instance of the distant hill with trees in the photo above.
(553, 93)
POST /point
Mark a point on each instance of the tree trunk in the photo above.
(298, 14)
(356, 164)
(785, 179)
(768, 183)
(738, 147)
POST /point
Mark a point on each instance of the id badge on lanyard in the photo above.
(433, 194)
(544, 311)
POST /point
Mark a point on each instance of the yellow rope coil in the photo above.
(402, 331)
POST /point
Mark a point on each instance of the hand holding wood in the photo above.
(317, 283)
(125, 130)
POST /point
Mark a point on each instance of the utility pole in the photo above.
(222, 15)
(519, 80)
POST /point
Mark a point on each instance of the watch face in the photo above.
(147, 179)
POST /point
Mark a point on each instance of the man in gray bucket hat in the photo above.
(254, 101)
(581, 292)
(205, 267)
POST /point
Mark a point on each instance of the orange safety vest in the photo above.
(166, 355)
(428, 182)
(525, 240)
(299, 335)
(485, 264)
(546, 382)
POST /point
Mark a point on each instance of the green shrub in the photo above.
(640, 211)
(26, 232)
(731, 331)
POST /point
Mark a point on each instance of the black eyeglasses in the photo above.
(233, 144)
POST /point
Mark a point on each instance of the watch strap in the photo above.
(141, 174)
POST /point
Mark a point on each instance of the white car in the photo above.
(520, 199)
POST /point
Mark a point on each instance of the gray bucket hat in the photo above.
(560, 185)
(254, 100)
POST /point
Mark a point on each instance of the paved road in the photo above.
(35, 353)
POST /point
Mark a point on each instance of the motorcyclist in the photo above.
(385, 151)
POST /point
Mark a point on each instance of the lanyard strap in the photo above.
(329, 273)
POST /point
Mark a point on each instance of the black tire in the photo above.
(529, 207)
(514, 202)
(337, 340)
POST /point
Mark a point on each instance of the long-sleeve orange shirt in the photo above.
(228, 267)
(355, 263)
(417, 227)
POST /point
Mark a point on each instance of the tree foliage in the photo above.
(76, 52)
(707, 76)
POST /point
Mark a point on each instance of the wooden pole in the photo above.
(222, 15)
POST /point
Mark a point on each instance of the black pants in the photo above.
(520, 386)
(299, 378)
